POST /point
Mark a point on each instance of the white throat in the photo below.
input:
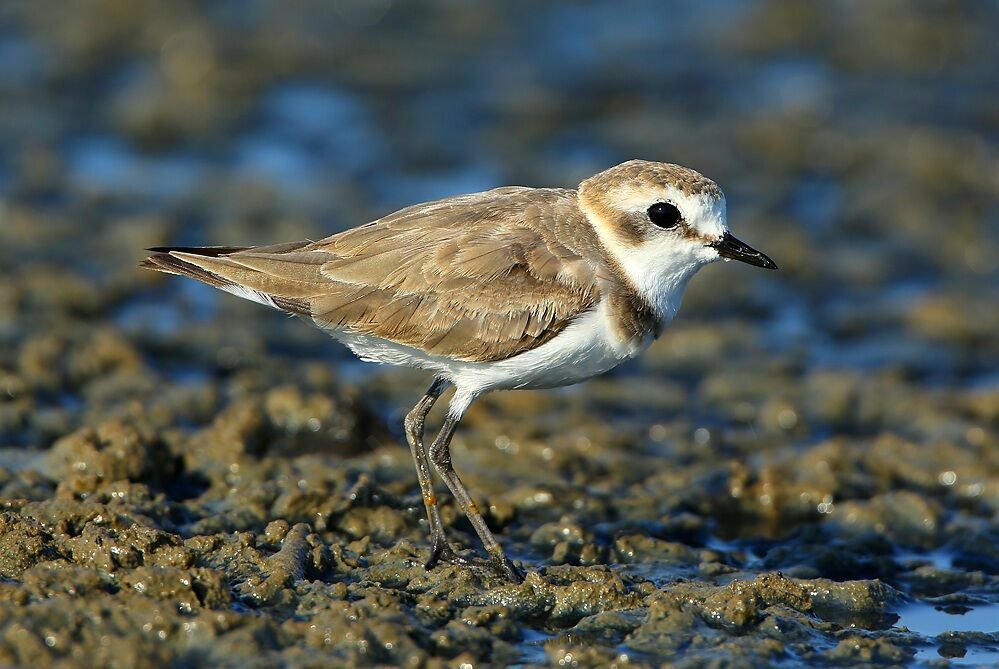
(660, 275)
(658, 270)
(660, 266)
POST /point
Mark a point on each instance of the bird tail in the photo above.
(163, 260)
(222, 267)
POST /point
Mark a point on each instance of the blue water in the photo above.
(532, 648)
(930, 620)
(933, 623)
(973, 657)
(100, 163)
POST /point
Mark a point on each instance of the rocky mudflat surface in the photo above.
(802, 472)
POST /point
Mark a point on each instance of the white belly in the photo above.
(586, 348)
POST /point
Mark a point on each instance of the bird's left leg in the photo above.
(440, 549)
(440, 455)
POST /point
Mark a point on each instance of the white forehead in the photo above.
(703, 212)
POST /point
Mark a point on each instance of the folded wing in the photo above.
(479, 277)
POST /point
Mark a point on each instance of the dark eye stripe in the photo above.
(664, 215)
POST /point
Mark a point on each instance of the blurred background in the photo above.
(855, 141)
(854, 392)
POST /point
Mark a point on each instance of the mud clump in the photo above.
(23, 543)
(89, 459)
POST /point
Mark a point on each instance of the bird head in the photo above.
(661, 223)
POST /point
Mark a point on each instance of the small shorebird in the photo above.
(510, 288)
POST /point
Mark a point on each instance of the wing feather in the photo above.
(478, 277)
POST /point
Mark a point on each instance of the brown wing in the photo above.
(477, 277)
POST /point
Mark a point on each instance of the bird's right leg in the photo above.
(440, 455)
(416, 419)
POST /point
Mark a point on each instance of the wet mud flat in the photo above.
(285, 526)
(803, 472)
(180, 497)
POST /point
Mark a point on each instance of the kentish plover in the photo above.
(510, 288)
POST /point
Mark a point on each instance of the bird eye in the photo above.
(664, 214)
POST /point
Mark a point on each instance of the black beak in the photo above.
(731, 248)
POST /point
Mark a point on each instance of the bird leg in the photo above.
(415, 421)
(440, 455)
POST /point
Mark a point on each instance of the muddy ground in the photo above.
(802, 472)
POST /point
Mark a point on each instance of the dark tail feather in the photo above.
(162, 261)
(210, 251)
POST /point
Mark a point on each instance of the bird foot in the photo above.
(506, 568)
(442, 551)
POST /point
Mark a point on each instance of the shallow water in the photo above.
(939, 624)
(932, 620)
(802, 472)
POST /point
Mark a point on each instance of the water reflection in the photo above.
(932, 620)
